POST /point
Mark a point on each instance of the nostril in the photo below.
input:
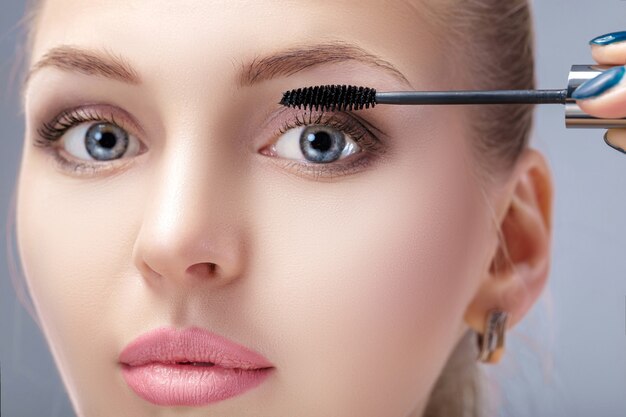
(202, 269)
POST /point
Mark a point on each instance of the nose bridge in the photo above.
(189, 229)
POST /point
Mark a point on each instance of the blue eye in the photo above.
(88, 144)
(327, 146)
(316, 144)
(103, 141)
(106, 141)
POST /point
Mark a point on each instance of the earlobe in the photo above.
(519, 267)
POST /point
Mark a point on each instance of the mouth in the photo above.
(191, 367)
(190, 383)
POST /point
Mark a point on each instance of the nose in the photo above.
(191, 231)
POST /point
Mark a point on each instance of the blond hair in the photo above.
(490, 45)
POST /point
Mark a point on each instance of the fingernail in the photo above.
(609, 38)
(607, 141)
(600, 84)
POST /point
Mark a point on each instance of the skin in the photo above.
(611, 103)
(356, 287)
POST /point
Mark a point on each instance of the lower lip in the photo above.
(174, 384)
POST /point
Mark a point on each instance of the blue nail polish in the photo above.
(598, 85)
(609, 38)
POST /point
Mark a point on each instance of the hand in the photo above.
(605, 95)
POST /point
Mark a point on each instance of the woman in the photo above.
(164, 194)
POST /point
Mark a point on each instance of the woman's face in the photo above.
(351, 277)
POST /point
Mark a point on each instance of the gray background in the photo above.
(567, 358)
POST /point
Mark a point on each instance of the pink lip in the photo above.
(150, 367)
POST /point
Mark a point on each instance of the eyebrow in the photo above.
(301, 57)
(105, 63)
(90, 62)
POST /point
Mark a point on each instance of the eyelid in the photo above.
(52, 139)
(119, 115)
(368, 125)
(372, 148)
(285, 115)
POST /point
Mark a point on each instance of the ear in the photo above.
(520, 261)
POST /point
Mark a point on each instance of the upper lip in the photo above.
(194, 344)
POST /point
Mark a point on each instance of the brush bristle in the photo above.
(330, 97)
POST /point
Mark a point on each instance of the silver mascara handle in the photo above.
(574, 116)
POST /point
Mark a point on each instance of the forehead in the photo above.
(191, 34)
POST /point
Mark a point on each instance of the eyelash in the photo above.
(347, 124)
(51, 131)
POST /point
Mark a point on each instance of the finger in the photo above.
(605, 95)
(609, 49)
(616, 139)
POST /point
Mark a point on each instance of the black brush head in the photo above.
(331, 97)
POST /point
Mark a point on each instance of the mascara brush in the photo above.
(351, 98)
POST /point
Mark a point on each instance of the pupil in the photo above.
(322, 144)
(106, 139)
(320, 140)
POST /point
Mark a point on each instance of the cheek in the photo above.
(373, 279)
(74, 247)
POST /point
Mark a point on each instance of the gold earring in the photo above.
(491, 344)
